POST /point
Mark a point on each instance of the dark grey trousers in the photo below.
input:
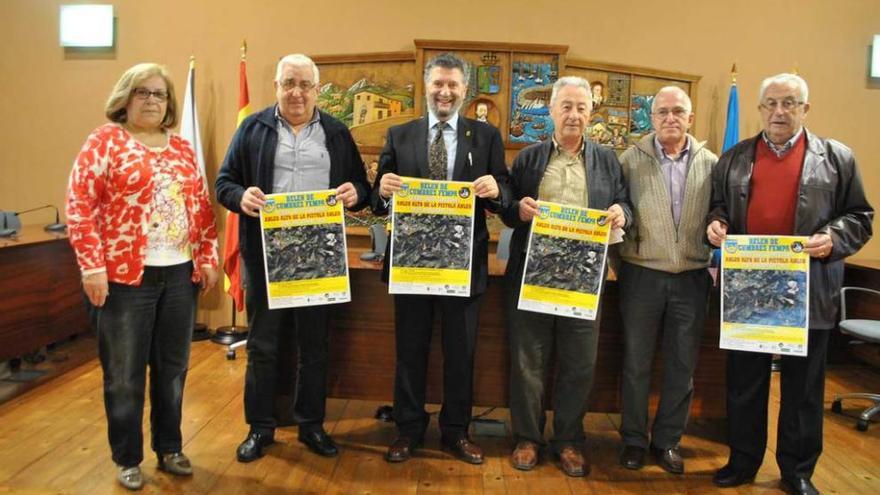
(651, 301)
(533, 337)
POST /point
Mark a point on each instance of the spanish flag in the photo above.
(231, 259)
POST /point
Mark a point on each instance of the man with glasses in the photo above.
(290, 146)
(441, 146)
(664, 284)
(787, 181)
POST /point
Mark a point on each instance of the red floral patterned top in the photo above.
(109, 198)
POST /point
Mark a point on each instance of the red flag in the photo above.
(232, 262)
(231, 259)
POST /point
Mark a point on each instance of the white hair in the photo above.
(688, 106)
(578, 82)
(785, 78)
(297, 60)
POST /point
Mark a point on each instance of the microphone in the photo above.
(10, 220)
(57, 227)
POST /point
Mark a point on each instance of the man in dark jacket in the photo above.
(288, 147)
(566, 169)
(442, 146)
(787, 181)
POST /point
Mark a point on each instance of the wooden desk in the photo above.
(362, 353)
(40, 297)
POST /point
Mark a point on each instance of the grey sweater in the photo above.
(654, 241)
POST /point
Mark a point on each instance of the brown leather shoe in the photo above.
(572, 462)
(525, 456)
(465, 450)
(401, 449)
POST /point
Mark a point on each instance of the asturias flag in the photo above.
(731, 130)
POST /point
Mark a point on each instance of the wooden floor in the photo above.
(53, 440)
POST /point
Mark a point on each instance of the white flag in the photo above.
(189, 122)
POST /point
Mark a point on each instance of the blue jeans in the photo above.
(150, 324)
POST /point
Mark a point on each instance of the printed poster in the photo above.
(304, 249)
(432, 233)
(765, 294)
(565, 261)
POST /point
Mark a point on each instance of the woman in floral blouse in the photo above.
(141, 224)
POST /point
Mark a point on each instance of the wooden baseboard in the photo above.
(867, 353)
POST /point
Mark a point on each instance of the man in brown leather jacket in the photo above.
(787, 181)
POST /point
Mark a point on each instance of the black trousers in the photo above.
(413, 326)
(139, 326)
(799, 437)
(673, 305)
(311, 326)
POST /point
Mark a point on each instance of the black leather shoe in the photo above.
(252, 447)
(729, 476)
(319, 442)
(669, 459)
(799, 486)
(632, 457)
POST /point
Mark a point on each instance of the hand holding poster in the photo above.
(304, 249)
(765, 294)
(565, 261)
(432, 231)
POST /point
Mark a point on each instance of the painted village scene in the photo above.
(368, 98)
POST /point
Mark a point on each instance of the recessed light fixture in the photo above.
(86, 26)
(875, 57)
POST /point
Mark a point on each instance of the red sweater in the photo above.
(774, 189)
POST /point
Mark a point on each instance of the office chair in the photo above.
(866, 331)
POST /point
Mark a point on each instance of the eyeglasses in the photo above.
(677, 112)
(290, 85)
(145, 94)
(788, 104)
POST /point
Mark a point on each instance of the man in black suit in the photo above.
(441, 146)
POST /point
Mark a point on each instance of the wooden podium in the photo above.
(362, 347)
(40, 297)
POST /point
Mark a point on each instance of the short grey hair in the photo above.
(674, 89)
(785, 78)
(448, 61)
(578, 82)
(297, 60)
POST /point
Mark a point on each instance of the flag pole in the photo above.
(231, 334)
(189, 130)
